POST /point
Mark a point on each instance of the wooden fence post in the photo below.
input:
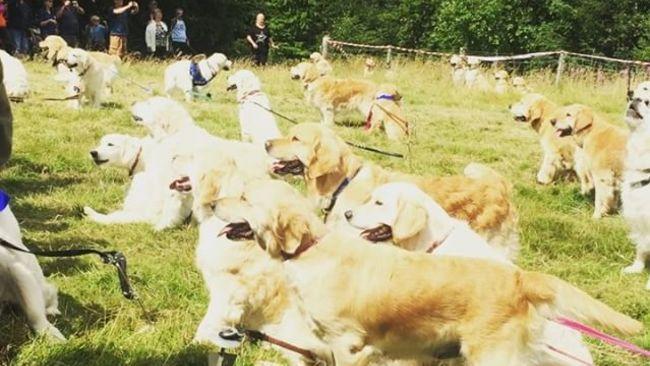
(560, 67)
(324, 46)
(389, 55)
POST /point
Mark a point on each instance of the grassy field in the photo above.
(51, 176)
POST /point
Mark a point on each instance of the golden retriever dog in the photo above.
(603, 147)
(636, 182)
(474, 77)
(246, 288)
(323, 66)
(15, 77)
(95, 77)
(369, 66)
(501, 84)
(341, 181)
(372, 301)
(520, 86)
(559, 155)
(380, 104)
(403, 215)
(458, 68)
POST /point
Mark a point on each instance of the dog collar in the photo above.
(135, 163)
(304, 246)
(245, 96)
(438, 243)
(338, 191)
(641, 183)
(384, 96)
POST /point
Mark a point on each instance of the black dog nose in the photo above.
(553, 121)
(348, 215)
(94, 154)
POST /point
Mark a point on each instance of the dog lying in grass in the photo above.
(603, 147)
(339, 181)
(379, 104)
(15, 77)
(401, 214)
(636, 179)
(560, 155)
(380, 301)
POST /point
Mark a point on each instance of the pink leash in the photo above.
(594, 333)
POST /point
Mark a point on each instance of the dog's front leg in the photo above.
(117, 217)
(30, 297)
(327, 114)
(172, 212)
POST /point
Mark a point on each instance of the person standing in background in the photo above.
(260, 40)
(47, 20)
(157, 36)
(68, 16)
(118, 25)
(19, 21)
(180, 41)
(96, 34)
(4, 35)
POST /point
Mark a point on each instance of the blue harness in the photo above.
(4, 200)
(197, 77)
(383, 96)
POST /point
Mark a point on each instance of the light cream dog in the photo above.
(603, 145)
(636, 183)
(323, 66)
(560, 155)
(340, 181)
(15, 77)
(458, 69)
(380, 301)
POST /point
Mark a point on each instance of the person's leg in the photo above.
(113, 45)
(14, 35)
(124, 47)
(24, 43)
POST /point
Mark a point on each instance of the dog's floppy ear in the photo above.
(326, 156)
(311, 73)
(584, 118)
(411, 219)
(290, 230)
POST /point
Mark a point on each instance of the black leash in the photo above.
(114, 258)
(366, 148)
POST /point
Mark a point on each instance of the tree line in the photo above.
(618, 28)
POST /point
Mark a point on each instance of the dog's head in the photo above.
(305, 71)
(116, 150)
(161, 116)
(457, 61)
(219, 61)
(272, 213)
(519, 83)
(532, 108)
(573, 120)
(309, 149)
(78, 59)
(501, 76)
(473, 62)
(244, 81)
(315, 57)
(53, 45)
(395, 212)
(638, 108)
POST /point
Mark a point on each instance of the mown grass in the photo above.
(51, 176)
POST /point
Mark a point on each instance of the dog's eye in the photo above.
(379, 203)
(110, 145)
(647, 102)
(568, 114)
(295, 139)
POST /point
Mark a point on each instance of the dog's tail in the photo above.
(553, 296)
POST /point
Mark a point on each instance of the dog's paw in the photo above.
(90, 213)
(52, 334)
(634, 268)
(52, 311)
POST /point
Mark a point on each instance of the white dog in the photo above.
(190, 75)
(15, 77)
(22, 280)
(474, 78)
(96, 77)
(636, 182)
(256, 121)
(323, 66)
(149, 198)
(458, 69)
(404, 214)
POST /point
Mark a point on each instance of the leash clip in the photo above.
(118, 260)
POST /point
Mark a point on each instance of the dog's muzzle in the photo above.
(564, 132)
(295, 77)
(633, 111)
(380, 233)
(238, 231)
(285, 167)
(520, 118)
(137, 118)
(231, 87)
(182, 185)
(95, 156)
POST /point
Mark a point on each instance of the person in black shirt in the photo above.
(260, 40)
(47, 20)
(68, 16)
(19, 20)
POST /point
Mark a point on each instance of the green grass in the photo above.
(50, 177)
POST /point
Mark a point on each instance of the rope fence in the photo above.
(559, 58)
